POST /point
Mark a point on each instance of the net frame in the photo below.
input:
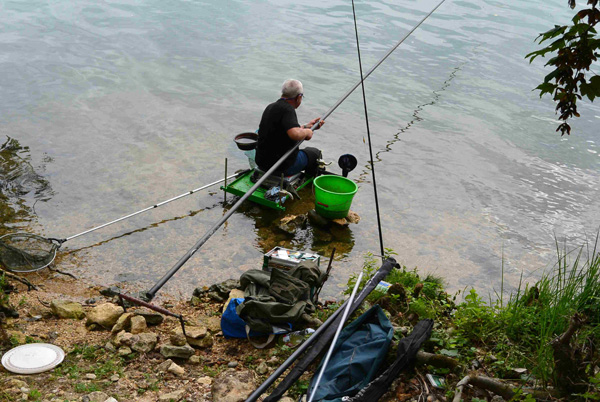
(27, 252)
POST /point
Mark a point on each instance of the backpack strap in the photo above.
(256, 344)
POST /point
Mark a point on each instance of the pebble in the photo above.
(262, 368)
(232, 364)
(115, 378)
(90, 376)
(204, 380)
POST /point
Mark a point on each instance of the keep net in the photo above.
(25, 252)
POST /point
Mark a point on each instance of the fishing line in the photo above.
(362, 81)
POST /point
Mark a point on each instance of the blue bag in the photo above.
(234, 327)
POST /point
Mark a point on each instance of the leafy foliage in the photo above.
(575, 47)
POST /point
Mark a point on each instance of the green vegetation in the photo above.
(574, 48)
(544, 334)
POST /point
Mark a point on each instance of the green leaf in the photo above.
(450, 353)
(591, 89)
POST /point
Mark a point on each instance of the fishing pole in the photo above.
(368, 135)
(149, 295)
(27, 252)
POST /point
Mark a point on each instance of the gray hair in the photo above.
(291, 89)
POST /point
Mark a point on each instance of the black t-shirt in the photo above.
(273, 141)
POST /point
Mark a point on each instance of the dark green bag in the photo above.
(278, 297)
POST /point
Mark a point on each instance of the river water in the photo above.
(109, 107)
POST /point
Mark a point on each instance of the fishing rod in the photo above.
(149, 295)
(26, 252)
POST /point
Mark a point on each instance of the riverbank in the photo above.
(536, 344)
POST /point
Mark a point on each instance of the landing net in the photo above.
(25, 252)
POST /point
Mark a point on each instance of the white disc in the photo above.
(33, 358)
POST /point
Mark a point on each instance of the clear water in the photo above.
(117, 105)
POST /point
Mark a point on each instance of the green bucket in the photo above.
(333, 196)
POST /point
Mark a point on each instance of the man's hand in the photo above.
(313, 122)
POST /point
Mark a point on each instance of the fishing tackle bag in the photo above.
(278, 297)
(355, 360)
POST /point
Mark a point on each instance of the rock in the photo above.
(111, 399)
(212, 323)
(67, 309)
(178, 352)
(178, 339)
(193, 332)
(195, 301)
(151, 317)
(205, 342)
(341, 222)
(195, 359)
(317, 219)
(145, 342)
(291, 223)
(233, 386)
(90, 376)
(164, 366)
(36, 310)
(172, 397)
(176, 369)
(262, 368)
(353, 217)
(497, 398)
(204, 380)
(115, 378)
(123, 323)
(110, 292)
(218, 292)
(124, 351)
(105, 315)
(123, 338)
(232, 364)
(138, 324)
(273, 361)
(97, 396)
(286, 399)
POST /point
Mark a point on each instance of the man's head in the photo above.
(292, 91)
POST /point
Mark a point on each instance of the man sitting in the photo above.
(279, 131)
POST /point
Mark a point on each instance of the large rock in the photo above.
(177, 352)
(123, 323)
(152, 317)
(218, 292)
(67, 309)
(212, 323)
(233, 386)
(291, 223)
(138, 324)
(145, 342)
(105, 315)
(195, 336)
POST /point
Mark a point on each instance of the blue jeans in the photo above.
(299, 165)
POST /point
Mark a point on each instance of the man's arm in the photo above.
(304, 132)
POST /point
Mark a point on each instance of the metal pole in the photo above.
(337, 334)
(225, 192)
(153, 206)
